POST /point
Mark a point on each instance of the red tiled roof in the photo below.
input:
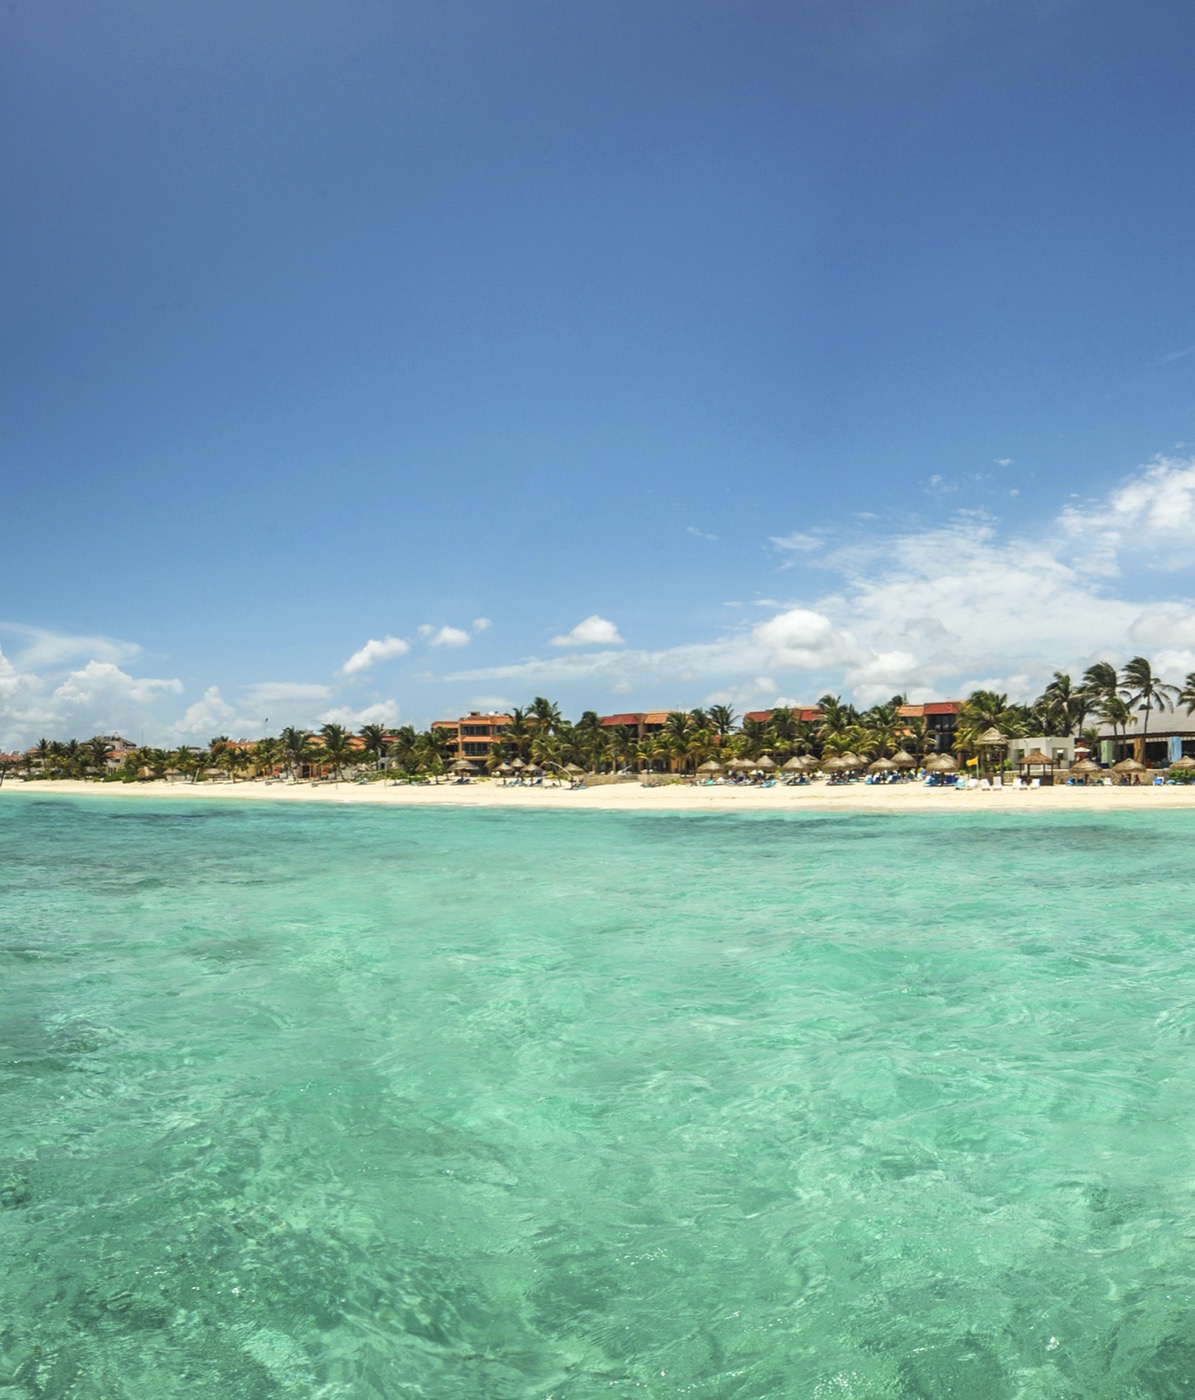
(805, 714)
(942, 707)
(611, 720)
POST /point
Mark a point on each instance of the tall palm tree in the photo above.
(402, 746)
(545, 714)
(837, 716)
(44, 751)
(97, 751)
(1100, 682)
(1186, 696)
(374, 737)
(296, 749)
(1118, 713)
(338, 747)
(1063, 706)
(1143, 690)
(624, 745)
(754, 738)
(722, 720)
(674, 737)
(517, 734)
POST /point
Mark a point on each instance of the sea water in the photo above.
(305, 1101)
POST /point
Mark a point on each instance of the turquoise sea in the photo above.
(301, 1101)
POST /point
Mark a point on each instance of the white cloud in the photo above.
(798, 542)
(803, 640)
(481, 624)
(449, 637)
(1150, 516)
(933, 610)
(592, 631)
(383, 712)
(373, 651)
(43, 648)
(265, 694)
(202, 721)
(699, 534)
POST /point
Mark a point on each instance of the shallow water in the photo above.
(310, 1102)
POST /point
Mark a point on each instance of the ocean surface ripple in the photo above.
(356, 1102)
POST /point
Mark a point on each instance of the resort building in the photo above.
(474, 734)
(802, 714)
(941, 720)
(1171, 737)
(644, 723)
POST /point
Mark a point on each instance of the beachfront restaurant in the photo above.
(1171, 737)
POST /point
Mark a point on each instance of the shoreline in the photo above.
(632, 797)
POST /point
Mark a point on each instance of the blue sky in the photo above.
(383, 360)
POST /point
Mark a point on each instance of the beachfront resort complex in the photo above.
(1127, 720)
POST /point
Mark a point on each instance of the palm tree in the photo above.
(402, 746)
(374, 736)
(588, 740)
(1186, 696)
(674, 737)
(1100, 680)
(1063, 706)
(545, 714)
(44, 749)
(296, 749)
(97, 751)
(1118, 713)
(837, 716)
(624, 745)
(338, 747)
(1144, 690)
(754, 738)
(517, 734)
(722, 720)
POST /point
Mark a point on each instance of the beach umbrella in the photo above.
(1129, 765)
(794, 765)
(710, 766)
(1036, 759)
(766, 764)
(809, 763)
(462, 765)
(517, 766)
(534, 768)
(942, 763)
(1184, 764)
(882, 765)
(991, 739)
(740, 765)
(833, 765)
(573, 768)
(852, 761)
(504, 769)
(904, 760)
(1084, 768)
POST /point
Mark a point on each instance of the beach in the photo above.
(634, 796)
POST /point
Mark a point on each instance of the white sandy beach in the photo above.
(632, 796)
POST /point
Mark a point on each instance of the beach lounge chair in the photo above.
(1035, 783)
